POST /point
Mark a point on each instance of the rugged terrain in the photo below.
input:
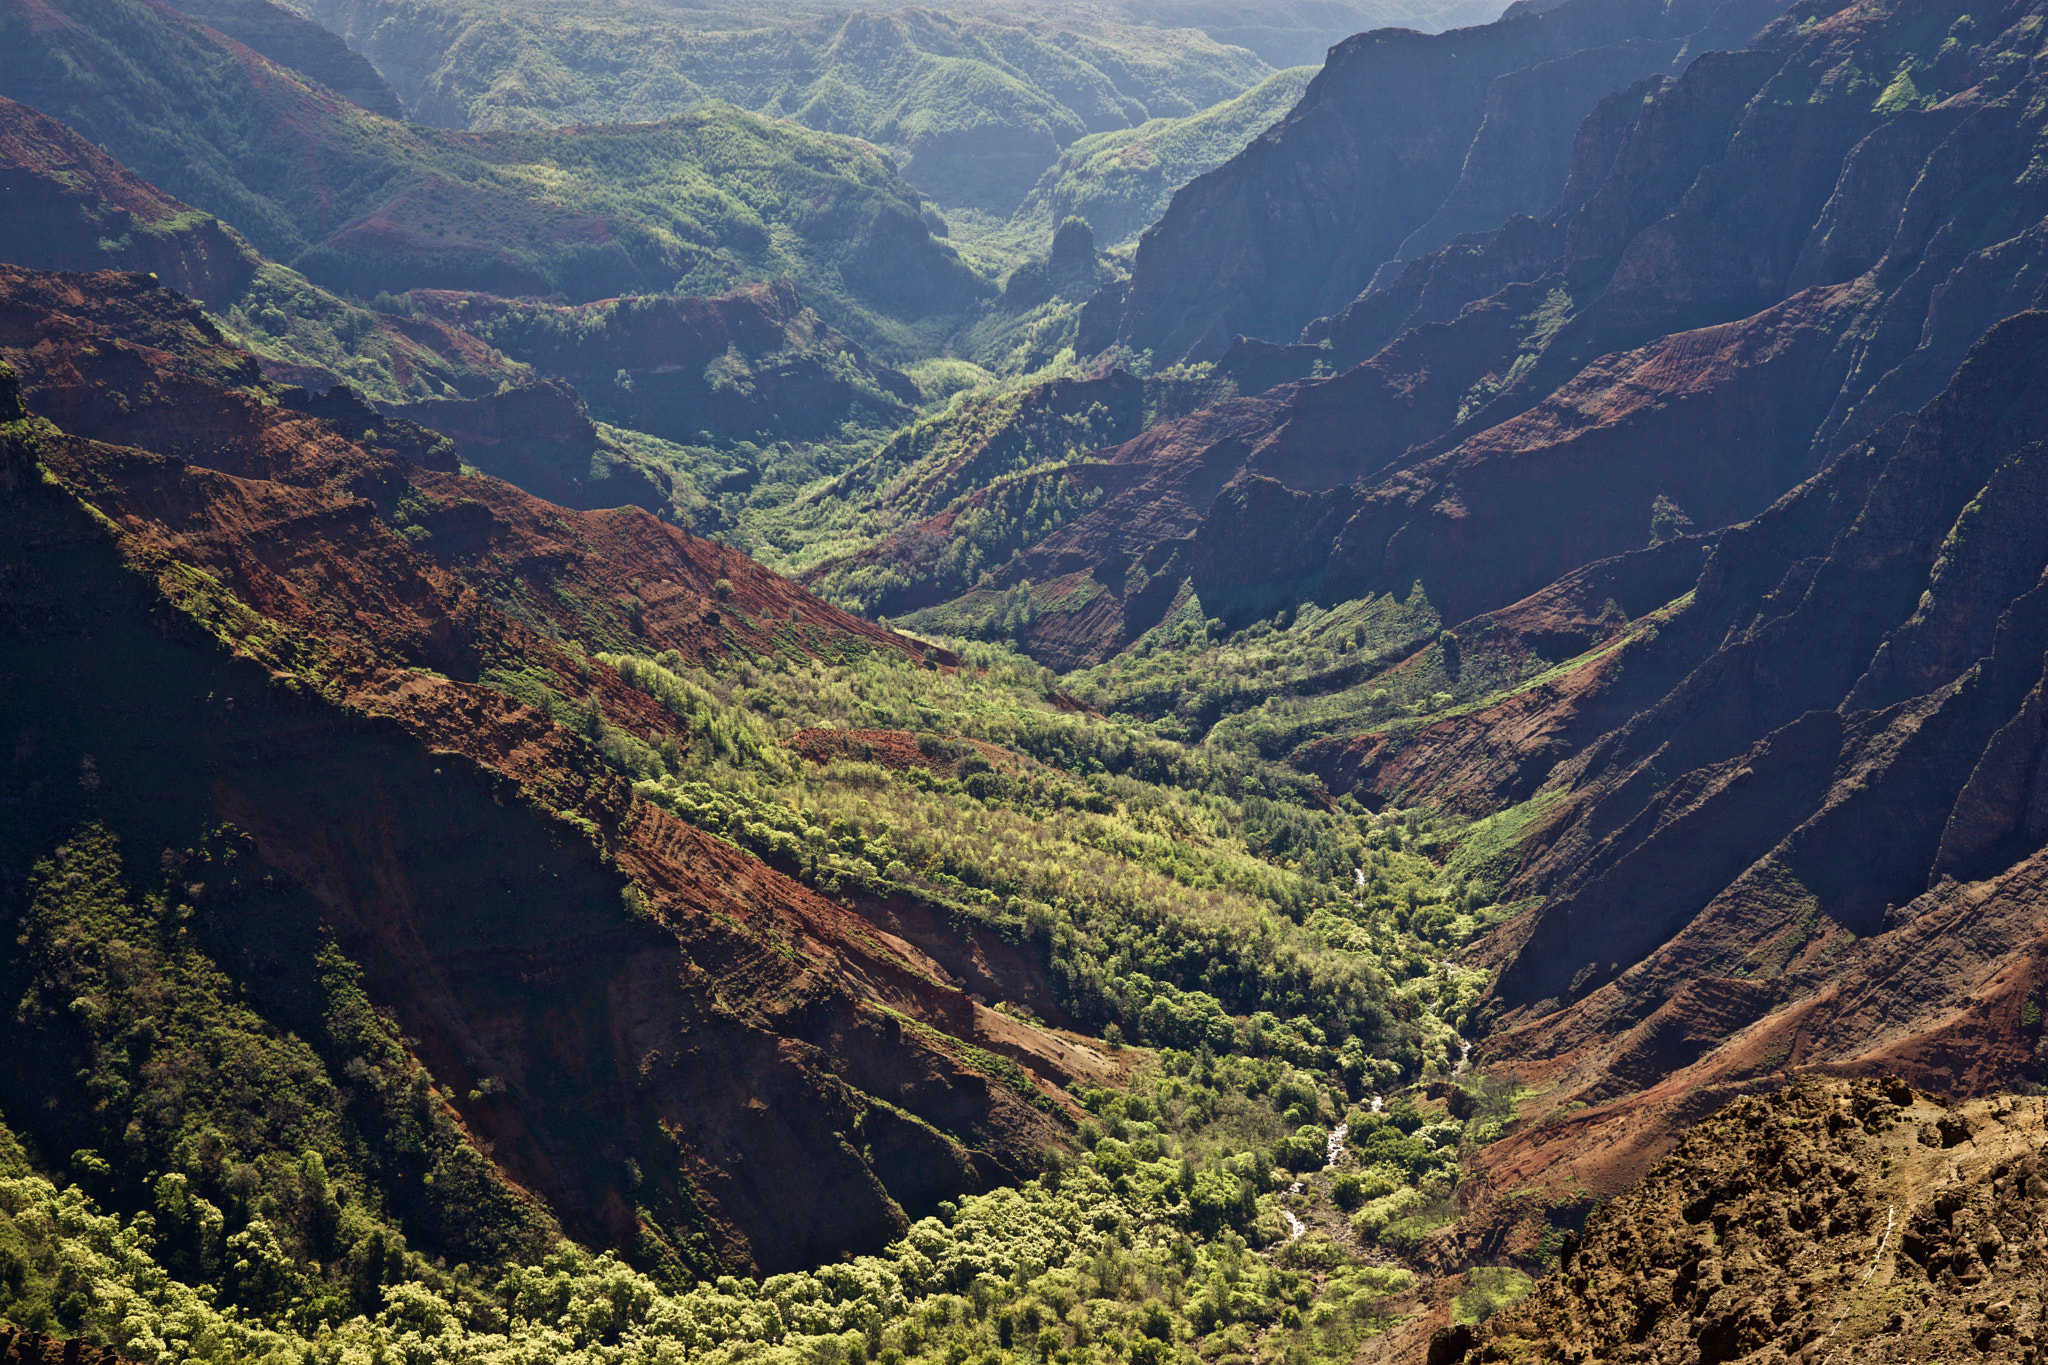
(1403, 141)
(1857, 1218)
(975, 105)
(70, 206)
(362, 204)
(1663, 363)
(1513, 629)
(372, 588)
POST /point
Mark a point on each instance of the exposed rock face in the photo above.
(1864, 660)
(1861, 1219)
(1807, 838)
(287, 616)
(1403, 141)
(291, 40)
(1697, 322)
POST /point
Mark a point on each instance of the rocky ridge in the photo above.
(1699, 340)
(1402, 141)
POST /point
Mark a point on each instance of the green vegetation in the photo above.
(289, 1175)
(976, 104)
(1183, 895)
(1381, 665)
(996, 468)
(283, 1178)
(1489, 1289)
(1163, 1240)
(304, 334)
(712, 199)
(1121, 182)
(280, 1186)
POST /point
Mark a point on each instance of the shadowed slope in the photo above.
(329, 582)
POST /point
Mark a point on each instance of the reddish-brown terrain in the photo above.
(66, 205)
(1789, 825)
(1859, 1220)
(1746, 276)
(740, 1030)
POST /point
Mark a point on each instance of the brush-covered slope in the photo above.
(757, 364)
(361, 204)
(1403, 141)
(1121, 182)
(976, 103)
(291, 40)
(309, 721)
(67, 205)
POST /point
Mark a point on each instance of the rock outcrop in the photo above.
(1859, 1219)
(1697, 326)
(1403, 141)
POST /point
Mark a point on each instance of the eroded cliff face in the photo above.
(1402, 142)
(1791, 827)
(226, 608)
(1755, 264)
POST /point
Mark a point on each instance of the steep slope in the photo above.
(1689, 339)
(291, 40)
(315, 630)
(67, 205)
(757, 364)
(360, 204)
(976, 102)
(1865, 655)
(1854, 1218)
(1792, 827)
(1121, 182)
(1403, 141)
